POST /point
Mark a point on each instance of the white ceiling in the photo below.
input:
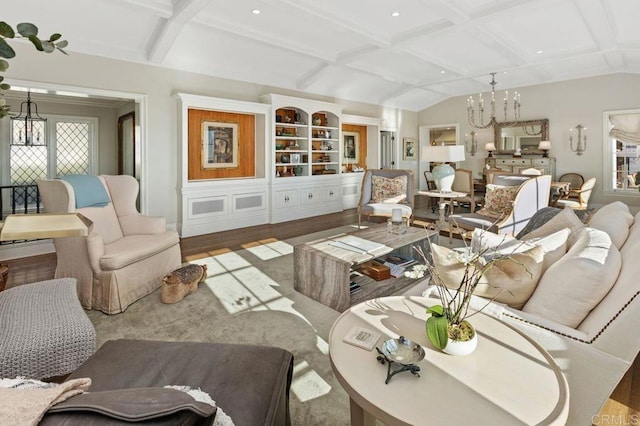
(355, 49)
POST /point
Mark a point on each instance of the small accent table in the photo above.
(442, 224)
(509, 379)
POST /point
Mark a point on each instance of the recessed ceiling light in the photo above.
(505, 72)
(256, 11)
(443, 72)
(395, 14)
(539, 52)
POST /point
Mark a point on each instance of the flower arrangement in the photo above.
(448, 321)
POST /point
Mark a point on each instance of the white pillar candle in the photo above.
(396, 215)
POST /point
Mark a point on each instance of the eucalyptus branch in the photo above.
(29, 32)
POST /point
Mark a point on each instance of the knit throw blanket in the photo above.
(24, 401)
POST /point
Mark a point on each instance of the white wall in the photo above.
(566, 104)
(159, 85)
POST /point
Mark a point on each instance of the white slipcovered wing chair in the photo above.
(126, 254)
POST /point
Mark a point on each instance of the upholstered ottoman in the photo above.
(44, 332)
(249, 383)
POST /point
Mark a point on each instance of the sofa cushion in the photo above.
(575, 284)
(538, 219)
(554, 246)
(509, 281)
(498, 201)
(614, 219)
(388, 188)
(565, 219)
(133, 248)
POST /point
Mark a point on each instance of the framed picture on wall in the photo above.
(219, 145)
(409, 149)
(351, 147)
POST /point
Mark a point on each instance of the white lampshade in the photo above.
(489, 146)
(544, 145)
(444, 153)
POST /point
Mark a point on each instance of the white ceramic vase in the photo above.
(456, 347)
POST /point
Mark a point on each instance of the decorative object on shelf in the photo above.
(582, 139)
(285, 158)
(350, 147)
(317, 121)
(295, 158)
(443, 174)
(404, 353)
(278, 118)
(294, 145)
(492, 120)
(219, 145)
(473, 147)
(32, 131)
(297, 170)
(490, 147)
(545, 146)
(409, 149)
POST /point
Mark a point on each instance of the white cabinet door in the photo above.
(332, 193)
(285, 198)
(310, 195)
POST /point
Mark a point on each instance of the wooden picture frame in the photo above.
(219, 145)
(351, 147)
(409, 149)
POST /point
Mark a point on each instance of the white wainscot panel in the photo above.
(207, 207)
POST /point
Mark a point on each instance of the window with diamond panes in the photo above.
(68, 153)
(72, 147)
(28, 164)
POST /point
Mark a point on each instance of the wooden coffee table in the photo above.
(508, 380)
(322, 271)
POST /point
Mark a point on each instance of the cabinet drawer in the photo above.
(541, 162)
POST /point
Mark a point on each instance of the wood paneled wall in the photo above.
(362, 152)
(246, 145)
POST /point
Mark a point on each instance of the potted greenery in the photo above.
(448, 328)
(30, 32)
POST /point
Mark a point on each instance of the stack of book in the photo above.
(396, 263)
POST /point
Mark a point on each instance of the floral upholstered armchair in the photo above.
(384, 190)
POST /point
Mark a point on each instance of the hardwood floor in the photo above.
(623, 404)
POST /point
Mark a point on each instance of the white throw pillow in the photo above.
(565, 219)
(614, 219)
(575, 284)
(553, 245)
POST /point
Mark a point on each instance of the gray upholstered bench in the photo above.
(44, 332)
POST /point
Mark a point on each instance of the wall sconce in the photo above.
(473, 148)
(582, 139)
(490, 147)
(545, 146)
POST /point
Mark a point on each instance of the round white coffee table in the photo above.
(509, 379)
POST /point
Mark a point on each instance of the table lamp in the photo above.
(545, 146)
(490, 147)
(443, 174)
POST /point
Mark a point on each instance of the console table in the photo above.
(322, 272)
(509, 379)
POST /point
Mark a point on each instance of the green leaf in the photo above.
(4, 65)
(437, 331)
(48, 46)
(436, 310)
(6, 30)
(36, 42)
(27, 30)
(55, 37)
(62, 44)
(6, 51)
(5, 86)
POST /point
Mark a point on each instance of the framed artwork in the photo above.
(219, 145)
(350, 147)
(409, 149)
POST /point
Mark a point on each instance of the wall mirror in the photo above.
(522, 135)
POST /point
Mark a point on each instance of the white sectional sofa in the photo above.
(585, 309)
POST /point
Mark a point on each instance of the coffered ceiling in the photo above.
(356, 49)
